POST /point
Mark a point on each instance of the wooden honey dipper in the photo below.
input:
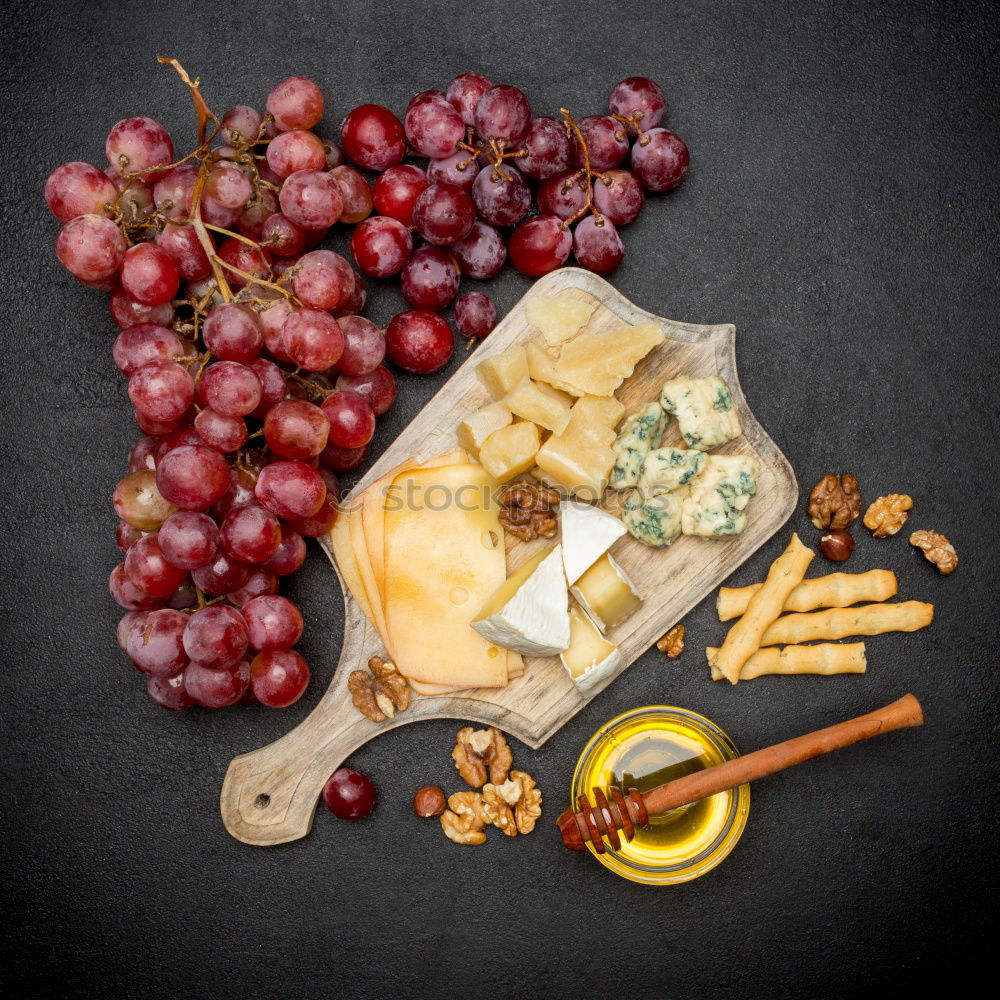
(627, 812)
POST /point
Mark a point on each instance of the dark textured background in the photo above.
(841, 210)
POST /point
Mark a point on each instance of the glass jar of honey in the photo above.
(647, 747)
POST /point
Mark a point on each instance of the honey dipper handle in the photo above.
(899, 715)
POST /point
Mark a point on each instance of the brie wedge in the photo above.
(587, 533)
(606, 593)
(530, 612)
(590, 660)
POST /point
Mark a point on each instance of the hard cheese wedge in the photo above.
(587, 533)
(598, 363)
(444, 557)
(606, 593)
(558, 317)
(590, 659)
(528, 613)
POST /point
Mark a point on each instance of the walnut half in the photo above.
(672, 643)
(888, 514)
(937, 549)
(465, 819)
(835, 501)
(514, 806)
(479, 752)
(380, 693)
(526, 510)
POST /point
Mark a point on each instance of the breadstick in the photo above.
(765, 605)
(826, 658)
(837, 590)
(836, 623)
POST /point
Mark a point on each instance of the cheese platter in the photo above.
(269, 795)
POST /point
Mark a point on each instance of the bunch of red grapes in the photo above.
(254, 378)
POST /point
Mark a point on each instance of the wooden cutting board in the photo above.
(269, 796)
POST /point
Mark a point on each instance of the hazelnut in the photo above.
(429, 801)
(836, 544)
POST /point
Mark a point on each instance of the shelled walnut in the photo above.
(835, 501)
(526, 510)
(380, 693)
(937, 549)
(888, 514)
(465, 819)
(514, 806)
(672, 642)
(529, 806)
(479, 752)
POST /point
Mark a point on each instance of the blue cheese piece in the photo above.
(655, 519)
(668, 468)
(640, 433)
(705, 411)
(716, 505)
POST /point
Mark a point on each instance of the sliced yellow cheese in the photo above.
(343, 551)
(503, 371)
(606, 593)
(599, 362)
(478, 426)
(539, 403)
(590, 659)
(444, 557)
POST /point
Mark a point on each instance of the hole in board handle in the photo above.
(262, 801)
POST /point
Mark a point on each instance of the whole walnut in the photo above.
(835, 501)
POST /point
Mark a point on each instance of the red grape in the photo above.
(170, 692)
(272, 384)
(216, 688)
(482, 253)
(638, 94)
(138, 501)
(250, 534)
(136, 144)
(279, 677)
(459, 169)
(258, 583)
(324, 280)
(149, 274)
(185, 596)
(78, 189)
(230, 388)
(501, 200)
(443, 213)
(597, 245)
(223, 575)
(215, 214)
(240, 125)
(660, 164)
(215, 637)
(312, 339)
(137, 345)
(294, 428)
(296, 102)
(381, 246)
(176, 439)
(356, 192)
(397, 189)
(91, 248)
(311, 199)
(334, 154)
(222, 433)
(126, 594)
(322, 522)
(430, 279)
(229, 186)
(333, 456)
(355, 303)
(348, 794)
(364, 346)
(378, 387)
(433, 127)
(549, 149)
(142, 453)
(475, 314)
(419, 341)
(148, 568)
(273, 622)
(256, 212)
(126, 536)
(191, 477)
(372, 136)
(290, 489)
(618, 196)
(238, 493)
(352, 421)
(464, 92)
(236, 256)
(540, 245)
(161, 391)
(233, 333)
(503, 112)
(126, 622)
(295, 150)
(281, 236)
(173, 192)
(127, 312)
(189, 539)
(155, 643)
(290, 555)
(607, 142)
(186, 251)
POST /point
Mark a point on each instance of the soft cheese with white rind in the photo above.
(606, 593)
(719, 495)
(587, 533)
(655, 519)
(530, 612)
(590, 659)
(704, 408)
(641, 432)
(668, 468)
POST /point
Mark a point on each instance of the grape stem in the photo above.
(632, 120)
(584, 177)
